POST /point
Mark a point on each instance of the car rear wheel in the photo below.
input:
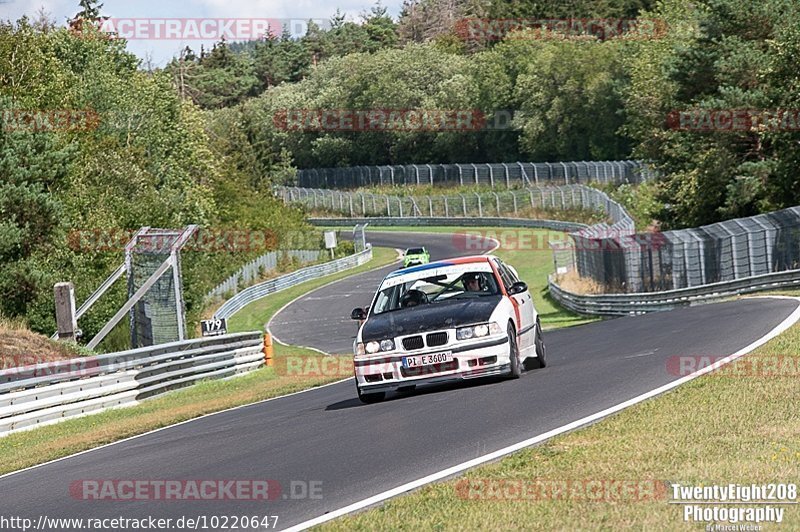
(513, 351)
(540, 361)
(370, 398)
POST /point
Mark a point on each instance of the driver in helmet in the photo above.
(473, 282)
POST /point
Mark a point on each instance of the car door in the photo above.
(524, 304)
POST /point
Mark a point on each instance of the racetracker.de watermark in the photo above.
(194, 490)
(388, 119)
(703, 120)
(488, 29)
(544, 489)
(187, 29)
(29, 366)
(49, 120)
(753, 366)
(540, 240)
(204, 240)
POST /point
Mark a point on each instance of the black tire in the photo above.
(516, 368)
(540, 361)
(370, 398)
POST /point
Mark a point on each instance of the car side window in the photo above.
(511, 273)
(505, 275)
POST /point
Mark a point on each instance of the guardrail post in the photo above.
(269, 351)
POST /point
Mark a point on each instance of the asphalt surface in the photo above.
(327, 439)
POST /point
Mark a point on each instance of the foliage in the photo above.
(138, 155)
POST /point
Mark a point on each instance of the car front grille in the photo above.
(413, 342)
(435, 339)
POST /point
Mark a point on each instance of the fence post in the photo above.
(430, 204)
(446, 208)
(66, 317)
(461, 175)
(491, 174)
(480, 205)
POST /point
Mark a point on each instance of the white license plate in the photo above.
(427, 360)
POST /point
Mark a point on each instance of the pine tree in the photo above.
(90, 12)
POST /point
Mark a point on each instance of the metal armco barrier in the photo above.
(45, 393)
(255, 292)
(628, 304)
(427, 221)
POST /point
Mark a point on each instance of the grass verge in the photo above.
(728, 427)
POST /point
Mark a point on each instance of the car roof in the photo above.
(449, 262)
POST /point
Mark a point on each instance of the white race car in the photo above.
(447, 320)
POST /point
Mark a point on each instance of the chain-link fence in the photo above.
(493, 174)
(610, 253)
(725, 251)
(514, 202)
(257, 269)
(517, 203)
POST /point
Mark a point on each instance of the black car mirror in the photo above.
(517, 288)
(358, 314)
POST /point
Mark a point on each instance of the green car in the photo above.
(416, 256)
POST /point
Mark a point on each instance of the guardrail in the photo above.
(255, 292)
(45, 393)
(640, 303)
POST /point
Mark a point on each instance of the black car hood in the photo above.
(431, 317)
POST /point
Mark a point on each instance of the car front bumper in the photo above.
(478, 359)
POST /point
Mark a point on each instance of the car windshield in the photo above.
(415, 251)
(435, 288)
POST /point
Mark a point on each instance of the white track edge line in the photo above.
(399, 490)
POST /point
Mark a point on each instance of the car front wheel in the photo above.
(513, 353)
(370, 398)
(540, 360)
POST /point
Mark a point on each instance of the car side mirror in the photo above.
(358, 314)
(517, 288)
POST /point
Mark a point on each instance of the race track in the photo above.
(327, 436)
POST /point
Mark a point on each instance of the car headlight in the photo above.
(387, 345)
(477, 331)
(373, 347)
